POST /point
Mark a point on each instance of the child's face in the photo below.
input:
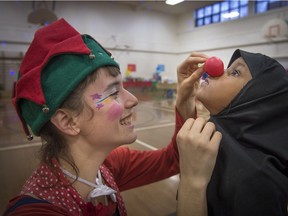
(111, 125)
(217, 93)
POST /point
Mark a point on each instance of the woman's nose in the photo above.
(130, 100)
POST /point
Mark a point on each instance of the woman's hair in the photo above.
(54, 144)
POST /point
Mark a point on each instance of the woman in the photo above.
(248, 104)
(70, 93)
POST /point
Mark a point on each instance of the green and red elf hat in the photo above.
(58, 59)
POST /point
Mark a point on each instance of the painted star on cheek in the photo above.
(101, 103)
(96, 96)
(99, 106)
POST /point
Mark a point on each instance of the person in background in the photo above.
(70, 93)
(248, 105)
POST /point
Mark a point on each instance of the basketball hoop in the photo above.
(275, 29)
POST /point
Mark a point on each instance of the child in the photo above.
(70, 93)
(248, 104)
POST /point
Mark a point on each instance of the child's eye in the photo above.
(235, 73)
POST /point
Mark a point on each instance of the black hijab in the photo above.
(251, 172)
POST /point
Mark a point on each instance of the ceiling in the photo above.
(150, 5)
(160, 6)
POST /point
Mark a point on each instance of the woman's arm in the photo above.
(188, 75)
(191, 198)
(198, 144)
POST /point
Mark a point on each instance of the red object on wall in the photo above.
(131, 67)
(128, 84)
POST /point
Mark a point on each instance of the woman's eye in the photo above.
(115, 94)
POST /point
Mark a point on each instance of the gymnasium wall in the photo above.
(141, 37)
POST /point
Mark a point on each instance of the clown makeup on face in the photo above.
(101, 100)
(115, 111)
(112, 111)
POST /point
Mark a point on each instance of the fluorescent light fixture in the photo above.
(231, 14)
(173, 2)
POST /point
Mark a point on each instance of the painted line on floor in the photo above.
(155, 126)
(146, 145)
(36, 144)
(148, 128)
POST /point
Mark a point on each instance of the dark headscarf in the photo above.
(251, 172)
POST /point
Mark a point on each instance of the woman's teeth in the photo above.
(125, 121)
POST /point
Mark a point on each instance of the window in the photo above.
(221, 12)
(262, 6)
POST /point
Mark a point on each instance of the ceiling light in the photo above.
(173, 2)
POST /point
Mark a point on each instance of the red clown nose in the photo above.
(214, 66)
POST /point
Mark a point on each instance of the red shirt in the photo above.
(123, 169)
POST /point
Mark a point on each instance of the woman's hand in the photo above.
(188, 75)
(198, 145)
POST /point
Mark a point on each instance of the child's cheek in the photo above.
(115, 111)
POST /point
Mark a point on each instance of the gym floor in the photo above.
(154, 120)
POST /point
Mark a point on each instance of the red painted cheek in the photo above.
(115, 111)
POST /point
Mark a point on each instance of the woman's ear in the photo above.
(64, 121)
